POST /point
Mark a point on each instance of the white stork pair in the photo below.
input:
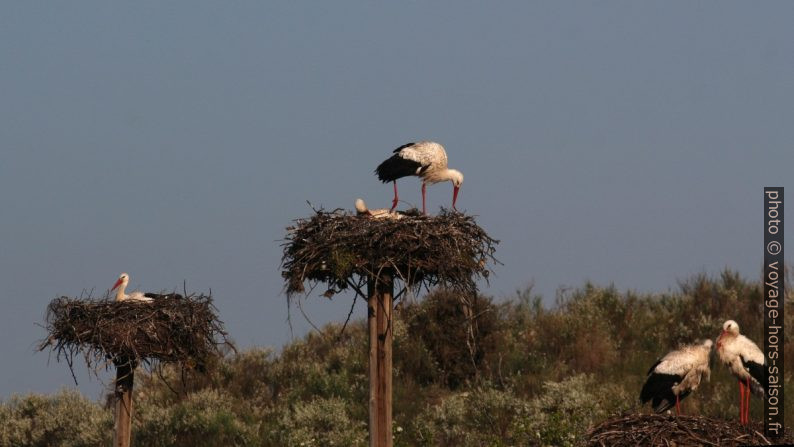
(677, 374)
(136, 295)
(424, 159)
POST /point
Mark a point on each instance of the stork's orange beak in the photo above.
(455, 197)
(118, 283)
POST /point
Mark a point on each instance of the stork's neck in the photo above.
(120, 295)
(443, 175)
(725, 337)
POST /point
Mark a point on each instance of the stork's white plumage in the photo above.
(746, 362)
(424, 159)
(121, 284)
(362, 210)
(136, 295)
(675, 375)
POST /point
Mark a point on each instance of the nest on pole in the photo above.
(666, 430)
(448, 250)
(184, 331)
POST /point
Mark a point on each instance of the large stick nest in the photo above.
(449, 250)
(666, 430)
(185, 331)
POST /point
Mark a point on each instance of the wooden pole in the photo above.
(380, 293)
(123, 406)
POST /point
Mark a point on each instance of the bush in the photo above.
(65, 419)
(562, 413)
(452, 334)
(322, 422)
(535, 376)
(204, 418)
(481, 417)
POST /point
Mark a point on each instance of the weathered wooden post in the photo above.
(378, 249)
(380, 292)
(123, 406)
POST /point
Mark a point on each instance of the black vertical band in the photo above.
(774, 299)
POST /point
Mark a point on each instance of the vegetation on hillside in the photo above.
(521, 374)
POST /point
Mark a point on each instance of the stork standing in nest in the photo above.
(137, 295)
(424, 159)
(675, 375)
(746, 362)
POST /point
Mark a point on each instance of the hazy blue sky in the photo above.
(622, 142)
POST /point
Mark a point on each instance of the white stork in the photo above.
(675, 375)
(136, 295)
(746, 362)
(424, 159)
(362, 210)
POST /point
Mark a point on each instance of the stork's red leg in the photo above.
(424, 186)
(396, 199)
(677, 405)
(744, 404)
(741, 402)
(747, 390)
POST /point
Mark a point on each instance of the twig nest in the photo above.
(665, 430)
(449, 249)
(185, 331)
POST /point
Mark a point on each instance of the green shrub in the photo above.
(452, 334)
(64, 419)
(481, 417)
(322, 422)
(563, 412)
(204, 418)
(522, 374)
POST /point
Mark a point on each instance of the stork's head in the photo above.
(707, 344)
(456, 177)
(123, 279)
(730, 327)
